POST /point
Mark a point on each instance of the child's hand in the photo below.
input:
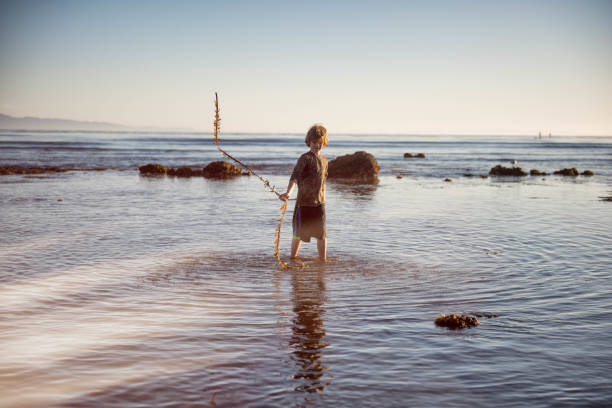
(284, 197)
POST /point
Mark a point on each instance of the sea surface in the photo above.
(118, 290)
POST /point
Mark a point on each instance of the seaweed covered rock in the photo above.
(573, 172)
(221, 169)
(455, 322)
(357, 167)
(184, 172)
(500, 170)
(587, 173)
(152, 170)
(536, 172)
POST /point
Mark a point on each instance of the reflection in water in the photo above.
(354, 190)
(308, 334)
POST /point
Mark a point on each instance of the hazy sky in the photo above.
(452, 67)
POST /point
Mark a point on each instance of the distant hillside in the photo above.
(32, 123)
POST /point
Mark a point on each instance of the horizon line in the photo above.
(203, 132)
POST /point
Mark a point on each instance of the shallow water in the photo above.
(125, 291)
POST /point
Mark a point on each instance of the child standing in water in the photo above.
(310, 174)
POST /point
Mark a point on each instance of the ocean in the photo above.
(118, 290)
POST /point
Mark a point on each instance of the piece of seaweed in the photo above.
(267, 184)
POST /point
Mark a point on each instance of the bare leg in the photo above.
(295, 247)
(322, 249)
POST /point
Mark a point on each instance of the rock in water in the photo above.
(456, 322)
(221, 169)
(587, 173)
(567, 172)
(536, 172)
(153, 170)
(358, 167)
(187, 172)
(8, 170)
(500, 170)
(414, 156)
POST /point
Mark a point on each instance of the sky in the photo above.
(368, 67)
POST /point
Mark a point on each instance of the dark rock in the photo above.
(448, 180)
(587, 173)
(357, 167)
(500, 170)
(8, 170)
(573, 172)
(468, 175)
(221, 169)
(398, 177)
(536, 172)
(185, 172)
(484, 176)
(153, 170)
(414, 156)
(455, 322)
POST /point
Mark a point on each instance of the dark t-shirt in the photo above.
(310, 173)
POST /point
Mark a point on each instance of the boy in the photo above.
(310, 174)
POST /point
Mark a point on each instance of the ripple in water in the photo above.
(133, 292)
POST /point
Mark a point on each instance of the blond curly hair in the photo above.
(316, 133)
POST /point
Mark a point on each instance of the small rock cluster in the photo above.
(5, 171)
(455, 322)
(218, 169)
(10, 170)
(518, 172)
(414, 156)
(573, 172)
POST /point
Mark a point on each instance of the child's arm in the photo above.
(295, 176)
(290, 187)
